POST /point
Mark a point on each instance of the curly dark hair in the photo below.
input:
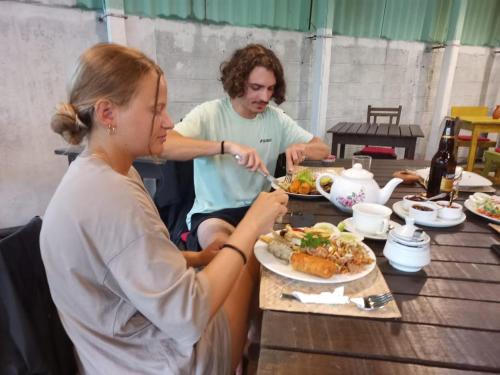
(235, 72)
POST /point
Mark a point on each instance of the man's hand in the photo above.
(246, 156)
(295, 154)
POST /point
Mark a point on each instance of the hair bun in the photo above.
(65, 121)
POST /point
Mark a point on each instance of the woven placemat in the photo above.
(272, 285)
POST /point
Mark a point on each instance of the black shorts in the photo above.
(232, 216)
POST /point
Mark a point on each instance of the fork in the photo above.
(369, 303)
(374, 302)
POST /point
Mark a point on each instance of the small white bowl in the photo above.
(408, 201)
(449, 213)
(424, 211)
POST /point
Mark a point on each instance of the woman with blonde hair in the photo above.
(127, 297)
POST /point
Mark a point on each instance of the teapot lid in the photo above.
(357, 172)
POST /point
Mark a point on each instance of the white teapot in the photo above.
(356, 185)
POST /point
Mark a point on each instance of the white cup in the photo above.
(371, 218)
(424, 211)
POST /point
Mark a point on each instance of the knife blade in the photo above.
(271, 179)
(289, 296)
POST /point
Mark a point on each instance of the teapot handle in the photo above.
(320, 188)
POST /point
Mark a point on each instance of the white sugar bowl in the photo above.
(408, 247)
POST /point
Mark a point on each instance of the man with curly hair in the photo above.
(241, 129)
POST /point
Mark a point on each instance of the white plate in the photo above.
(472, 207)
(301, 196)
(469, 179)
(349, 225)
(275, 265)
(399, 210)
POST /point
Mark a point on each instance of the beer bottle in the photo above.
(443, 163)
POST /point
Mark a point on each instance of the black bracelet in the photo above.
(222, 148)
(232, 247)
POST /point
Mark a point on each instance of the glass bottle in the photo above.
(443, 164)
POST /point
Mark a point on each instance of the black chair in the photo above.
(174, 198)
(32, 338)
(393, 115)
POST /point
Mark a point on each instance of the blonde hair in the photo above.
(106, 71)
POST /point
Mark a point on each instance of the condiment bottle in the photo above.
(443, 163)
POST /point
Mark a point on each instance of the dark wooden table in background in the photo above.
(450, 310)
(147, 167)
(362, 133)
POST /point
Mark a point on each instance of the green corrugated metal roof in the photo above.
(480, 21)
(423, 20)
(358, 18)
(284, 14)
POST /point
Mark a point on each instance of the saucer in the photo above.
(399, 210)
(404, 268)
(349, 226)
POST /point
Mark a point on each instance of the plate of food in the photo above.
(468, 179)
(303, 185)
(318, 254)
(487, 206)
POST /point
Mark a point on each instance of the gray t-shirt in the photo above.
(123, 291)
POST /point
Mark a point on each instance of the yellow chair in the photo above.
(491, 161)
(464, 140)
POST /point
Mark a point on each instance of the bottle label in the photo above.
(447, 183)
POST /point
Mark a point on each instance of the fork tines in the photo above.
(381, 299)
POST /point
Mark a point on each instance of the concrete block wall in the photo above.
(39, 45)
(381, 73)
(191, 53)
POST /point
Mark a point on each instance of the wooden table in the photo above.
(450, 310)
(147, 166)
(362, 133)
(478, 125)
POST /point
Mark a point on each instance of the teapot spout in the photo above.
(387, 190)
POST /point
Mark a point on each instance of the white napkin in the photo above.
(330, 298)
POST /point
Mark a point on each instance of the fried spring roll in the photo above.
(312, 265)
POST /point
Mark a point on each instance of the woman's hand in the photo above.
(209, 252)
(263, 213)
(202, 258)
(246, 156)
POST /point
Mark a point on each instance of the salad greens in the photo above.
(305, 175)
(313, 241)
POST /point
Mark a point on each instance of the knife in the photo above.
(271, 179)
(289, 296)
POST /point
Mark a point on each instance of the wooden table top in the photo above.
(450, 310)
(377, 130)
(487, 120)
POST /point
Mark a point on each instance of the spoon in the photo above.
(442, 195)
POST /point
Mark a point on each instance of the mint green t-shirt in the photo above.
(219, 181)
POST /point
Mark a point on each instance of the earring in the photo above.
(111, 129)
